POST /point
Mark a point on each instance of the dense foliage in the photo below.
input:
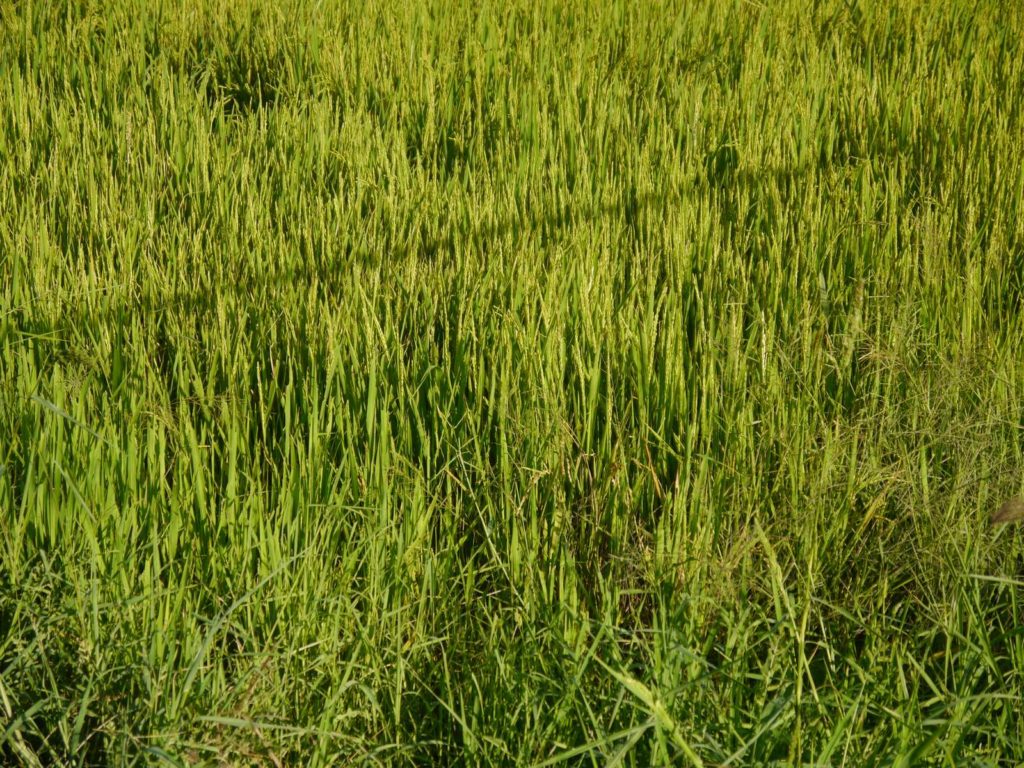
(511, 383)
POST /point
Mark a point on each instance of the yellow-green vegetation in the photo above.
(511, 383)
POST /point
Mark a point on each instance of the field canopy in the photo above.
(511, 383)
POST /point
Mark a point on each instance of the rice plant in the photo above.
(511, 383)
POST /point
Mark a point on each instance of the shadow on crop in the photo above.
(719, 181)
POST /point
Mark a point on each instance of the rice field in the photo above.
(518, 383)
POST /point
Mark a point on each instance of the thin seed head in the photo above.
(1011, 511)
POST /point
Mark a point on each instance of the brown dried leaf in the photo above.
(1011, 511)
